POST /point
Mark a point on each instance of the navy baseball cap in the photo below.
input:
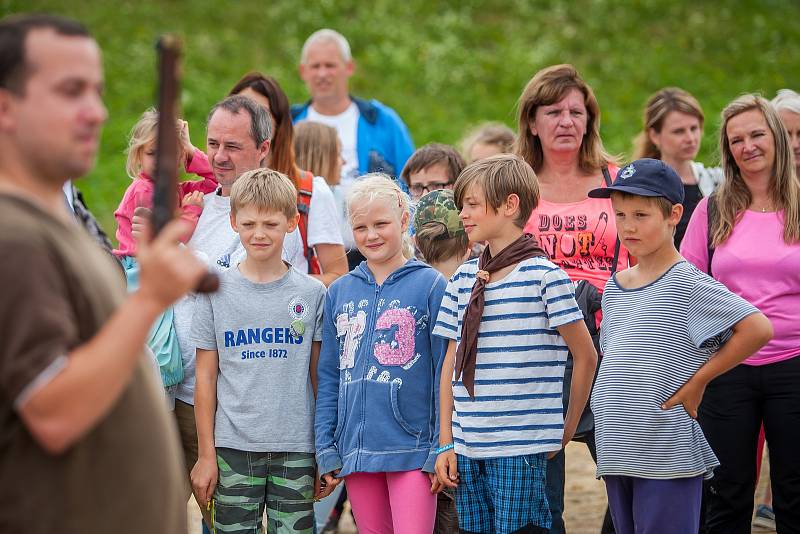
(647, 178)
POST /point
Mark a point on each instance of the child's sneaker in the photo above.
(765, 517)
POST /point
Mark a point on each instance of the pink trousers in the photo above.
(392, 503)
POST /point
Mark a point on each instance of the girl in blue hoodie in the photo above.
(376, 417)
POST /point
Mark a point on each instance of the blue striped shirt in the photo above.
(654, 338)
(519, 373)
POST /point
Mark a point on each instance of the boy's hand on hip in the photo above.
(447, 469)
(204, 478)
(689, 395)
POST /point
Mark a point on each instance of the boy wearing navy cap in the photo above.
(668, 330)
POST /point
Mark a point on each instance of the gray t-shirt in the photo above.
(263, 334)
(215, 242)
(654, 338)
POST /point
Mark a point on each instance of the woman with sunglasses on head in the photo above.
(673, 129)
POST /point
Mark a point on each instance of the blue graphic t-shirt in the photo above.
(263, 334)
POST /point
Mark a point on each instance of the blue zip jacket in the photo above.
(378, 374)
(382, 139)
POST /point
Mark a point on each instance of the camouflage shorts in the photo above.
(283, 482)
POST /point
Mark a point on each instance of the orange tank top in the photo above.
(579, 237)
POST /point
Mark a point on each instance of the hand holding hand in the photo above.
(329, 483)
(447, 469)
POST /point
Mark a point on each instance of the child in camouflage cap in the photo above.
(443, 243)
(440, 235)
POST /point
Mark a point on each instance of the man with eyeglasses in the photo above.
(432, 167)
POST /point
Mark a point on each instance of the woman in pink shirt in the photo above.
(559, 136)
(754, 249)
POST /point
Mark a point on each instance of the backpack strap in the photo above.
(305, 190)
(607, 178)
(713, 216)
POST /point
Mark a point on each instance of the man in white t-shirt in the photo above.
(373, 137)
(238, 140)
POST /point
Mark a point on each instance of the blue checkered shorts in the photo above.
(501, 495)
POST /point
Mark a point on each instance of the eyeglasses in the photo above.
(421, 189)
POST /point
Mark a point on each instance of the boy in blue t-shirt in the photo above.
(258, 341)
(511, 317)
(668, 330)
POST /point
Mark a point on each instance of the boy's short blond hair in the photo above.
(265, 189)
(498, 177)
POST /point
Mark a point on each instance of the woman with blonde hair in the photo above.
(747, 236)
(672, 131)
(559, 137)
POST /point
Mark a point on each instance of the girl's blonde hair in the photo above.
(733, 195)
(316, 147)
(142, 134)
(658, 107)
(379, 186)
(495, 134)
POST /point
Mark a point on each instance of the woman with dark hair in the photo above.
(672, 130)
(559, 136)
(319, 219)
(747, 236)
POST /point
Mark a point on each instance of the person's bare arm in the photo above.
(312, 370)
(749, 335)
(204, 473)
(62, 410)
(446, 463)
(584, 357)
(332, 261)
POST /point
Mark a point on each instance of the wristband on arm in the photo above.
(444, 448)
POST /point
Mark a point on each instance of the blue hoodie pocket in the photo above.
(386, 428)
(341, 412)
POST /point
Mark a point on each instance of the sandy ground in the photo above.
(585, 498)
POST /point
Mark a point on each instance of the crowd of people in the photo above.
(419, 331)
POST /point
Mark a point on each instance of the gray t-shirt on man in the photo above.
(263, 334)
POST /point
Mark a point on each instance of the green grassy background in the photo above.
(444, 66)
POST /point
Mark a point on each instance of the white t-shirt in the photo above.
(519, 370)
(346, 124)
(215, 242)
(323, 216)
